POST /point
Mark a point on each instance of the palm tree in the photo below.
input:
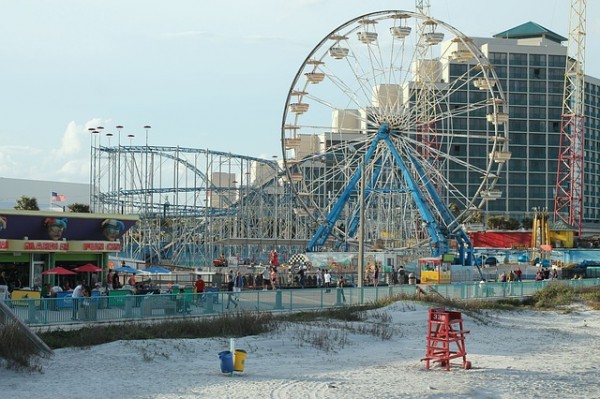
(27, 204)
(79, 208)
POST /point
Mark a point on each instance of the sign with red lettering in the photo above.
(45, 246)
(95, 246)
(3, 245)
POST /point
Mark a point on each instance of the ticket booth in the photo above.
(435, 270)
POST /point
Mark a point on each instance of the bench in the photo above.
(151, 302)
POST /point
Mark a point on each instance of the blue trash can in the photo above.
(226, 361)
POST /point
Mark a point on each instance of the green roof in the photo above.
(529, 30)
(560, 225)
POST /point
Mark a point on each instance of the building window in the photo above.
(537, 87)
(537, 59)
(498, 58)
(518, 72)
(537, 112)
(517, 85)
(556, 73)
(517, 59)
(537, 126)
(556, 61)
(537, 73)
(518, 112)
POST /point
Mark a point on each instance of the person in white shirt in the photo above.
(319, 278)
(76, 299)
(327, 278)
(266, 276)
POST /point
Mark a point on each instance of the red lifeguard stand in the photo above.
(445, 338)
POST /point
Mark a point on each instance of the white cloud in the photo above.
(70, 143)
(68, 161)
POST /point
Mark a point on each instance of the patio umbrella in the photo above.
(158, 269)
(88, 268)
(58, 271)
(126, 269)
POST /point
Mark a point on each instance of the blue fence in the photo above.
(122, 306)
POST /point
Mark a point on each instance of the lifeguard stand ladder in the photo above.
(445, 338)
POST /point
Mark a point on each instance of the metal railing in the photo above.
(53, 311)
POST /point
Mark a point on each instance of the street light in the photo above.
(92, 131)
(147, 127)
(119, 127)
(146, 174)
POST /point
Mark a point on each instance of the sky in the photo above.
(210, 75)
(513, 354)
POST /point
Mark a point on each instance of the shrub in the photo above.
(16, 348)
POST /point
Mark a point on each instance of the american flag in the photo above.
(56, 197)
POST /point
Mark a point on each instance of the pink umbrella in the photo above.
(88, 268)
(60, 271)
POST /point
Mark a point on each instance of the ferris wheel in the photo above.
(401, 116)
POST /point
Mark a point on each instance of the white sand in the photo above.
(514, 355)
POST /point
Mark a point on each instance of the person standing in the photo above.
(518, 274)
(200, 288)
(340, 285)
(301, 276)
(401, 275)
(510, 277)
(376, 276)
(273, 278)
(230, 285)
(327, 279)
(266, 276)
(109, 280)
(238, 284)
(76, 297)
(85, 303)
(116, 282)
(274, 258)
(319, 278)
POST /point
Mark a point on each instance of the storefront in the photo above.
(32, 242)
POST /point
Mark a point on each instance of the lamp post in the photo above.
(132, 176)
(276, 211)
(118, 127)
(92, 131)
(147, 177)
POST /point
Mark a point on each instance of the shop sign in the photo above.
(96, 246)
(38, 245)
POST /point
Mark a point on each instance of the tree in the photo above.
(27, 204)
(79, 208)
(527, 223)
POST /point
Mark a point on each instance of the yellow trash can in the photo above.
(239, 360)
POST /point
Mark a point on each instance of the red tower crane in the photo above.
(568, 197)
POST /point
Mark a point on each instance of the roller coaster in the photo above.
(196, 205)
